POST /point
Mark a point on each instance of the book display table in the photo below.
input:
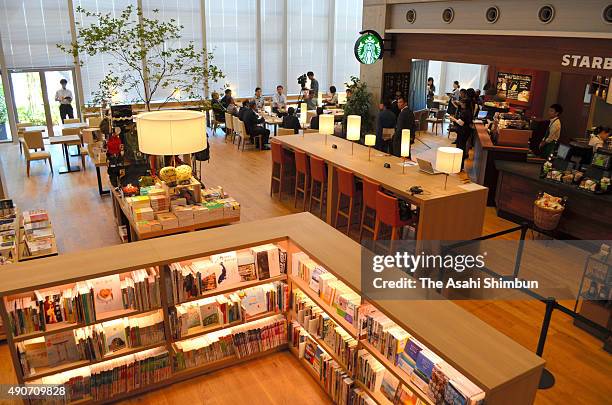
(253, 293)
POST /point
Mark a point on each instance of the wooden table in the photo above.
(35, 128)
(98, 165)
(66, 140)
(456, 213)
(123, 216)
(73, 125)
(273, 121)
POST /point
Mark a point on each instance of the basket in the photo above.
(546, 218)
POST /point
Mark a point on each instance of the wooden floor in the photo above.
(83, 220)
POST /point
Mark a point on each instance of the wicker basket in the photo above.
(546, 218)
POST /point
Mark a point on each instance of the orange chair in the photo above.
(301, 168)
(387, 213)
(346, 188)
(369, 203)
(280, 161)
(317, 175)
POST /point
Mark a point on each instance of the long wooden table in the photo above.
(454, 213)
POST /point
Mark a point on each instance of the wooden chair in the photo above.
(346, 188)
(82, 151)
(387, 213)
(281, 162)
(301, 168)
(284, 131)
(72, 121)
(437, 120)
(34, 140)
(244, 136)
(229, 127)
(71, 131)
(317, 176)
(94, 122)
(369, 204)
(20, 130)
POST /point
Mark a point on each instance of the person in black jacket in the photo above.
(314, 121)
(225, 101)
(251, 124)
(405, 120)
(463, 124)
(384, 119)
(243, 110)
(290, 121)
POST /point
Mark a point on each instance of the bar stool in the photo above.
(317, 175)
(346, 188)
(387, 213)
(301, 167)
(369, 203)
(280, 161)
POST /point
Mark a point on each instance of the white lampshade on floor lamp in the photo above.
(326, 125)
(353, 129)
(171, 132)
(448, 160)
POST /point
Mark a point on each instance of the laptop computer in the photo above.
(425, 166)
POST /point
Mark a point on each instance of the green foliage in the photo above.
(359, 104)
(36, 116)
(3, 111)
(147, 55)
(109, 86)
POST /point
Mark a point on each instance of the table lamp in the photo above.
(303, 113)
(326, 125)
(353, 129)
(405, 147)
(370, 140)
(171, 132)
(448, 160)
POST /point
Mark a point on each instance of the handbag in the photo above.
(405, 213)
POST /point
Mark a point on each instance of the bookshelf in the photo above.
(504, 370)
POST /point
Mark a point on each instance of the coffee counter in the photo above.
(587, 215)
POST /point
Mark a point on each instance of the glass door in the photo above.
(29, 100)
(5, 128)
(53, 87)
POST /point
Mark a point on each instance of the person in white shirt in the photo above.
(64, 96)
(599, 138)
(259, 100)
(279, 100)
(554, 130)
(332, 97)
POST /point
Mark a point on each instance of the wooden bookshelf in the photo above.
(377, 396)
(506, 371)
(200, 330)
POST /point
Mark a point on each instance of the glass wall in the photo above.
(273, 53)
(445, 73)
(347, 25)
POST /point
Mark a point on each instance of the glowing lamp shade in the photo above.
(303, 113)
(353, 127)
(171, 132)
(370, 140)
(448, 160)
(405, 145)
(326, 124)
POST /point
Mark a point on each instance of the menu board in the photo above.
(514, 86)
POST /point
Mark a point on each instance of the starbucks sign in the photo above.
(369, 47)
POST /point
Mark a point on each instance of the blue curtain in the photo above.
(418, 85)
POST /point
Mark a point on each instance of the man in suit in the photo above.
(290, 121)
(405, 120)
(251, 124)
(225, 101)
(384, 119)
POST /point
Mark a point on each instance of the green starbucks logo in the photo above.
(369, 47)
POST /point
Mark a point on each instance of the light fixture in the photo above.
(171, 132)
(405, 147)
(353, 129)
(303, 113)
(448, 160)
(326, 125)
(370, 140)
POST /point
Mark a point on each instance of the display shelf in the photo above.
(229, 289)
(47, 371)
(399, 374)
(377, 396)
(350, 329)
(63, 326)
(200, 330)
(309, 370)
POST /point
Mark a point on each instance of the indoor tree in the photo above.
(147, 55)
(359, 103)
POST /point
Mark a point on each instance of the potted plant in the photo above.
(359, 103)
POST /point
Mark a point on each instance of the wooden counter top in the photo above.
(487, 143)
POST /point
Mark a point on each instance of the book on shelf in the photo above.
(246, 266)
(389, 386)
(61, 348)
(267, 262)
(107, 293)
(202, 350)
(26, 315)
(369, 370)
(114, 335)
(32, 354)
(38, 217)
(227, 268)
(140, 290)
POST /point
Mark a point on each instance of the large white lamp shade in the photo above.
(405, 144)
(303, 112)
(326, 124)
(353, 127)
(448, 160)
(171, 132)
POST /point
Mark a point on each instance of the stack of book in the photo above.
(140, 290)
(39, 237)
(167, 220)
(25, 315)
(184, 214)
(369, 370)
(8, 232)
(159, 201)
(202, 350)
(259, 336)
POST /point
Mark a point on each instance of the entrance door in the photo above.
(34, 94)
(5, 128)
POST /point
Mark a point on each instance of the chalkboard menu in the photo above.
(394, 82)
(514, 86)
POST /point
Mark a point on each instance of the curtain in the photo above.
(418, 85)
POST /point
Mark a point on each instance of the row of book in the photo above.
(239, 341)
(336, 381)
(436, 378)
(334, 292)
(86, 302)
(106, 380)
(91, 342)
(8, 232)
(190, 279)
(227, 309)
(316, 322)
(39, 236)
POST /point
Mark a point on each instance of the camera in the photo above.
(302, 80)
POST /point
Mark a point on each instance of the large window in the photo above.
(273, 52)
(231, 37)
(346, 27)
(445, 73)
